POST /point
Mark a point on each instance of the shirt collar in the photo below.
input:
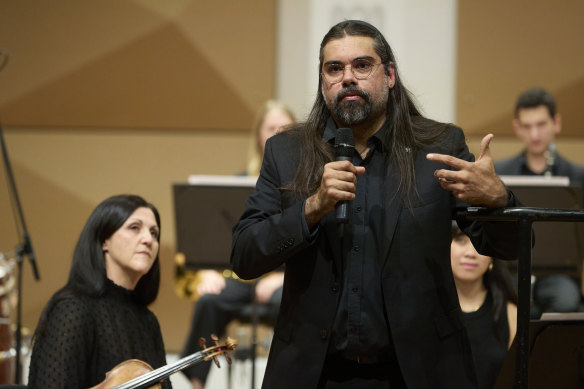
(378, 138)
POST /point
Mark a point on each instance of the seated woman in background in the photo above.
(489, 305)
(100, 317)
(220, 298)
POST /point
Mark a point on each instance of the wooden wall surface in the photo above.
(116, 96)
(506, 47)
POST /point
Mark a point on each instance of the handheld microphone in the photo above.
(344, 145)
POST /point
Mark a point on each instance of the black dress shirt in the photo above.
(361, 327)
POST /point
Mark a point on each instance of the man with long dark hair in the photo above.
(369, 303)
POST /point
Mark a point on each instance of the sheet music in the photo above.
(562, 316)
(535, 180)
(214, 180)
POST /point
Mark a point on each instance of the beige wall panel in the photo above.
(131, 64)
(505, 47)
(104, 97)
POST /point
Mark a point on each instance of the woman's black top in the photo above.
(86, 337)
(487, 349)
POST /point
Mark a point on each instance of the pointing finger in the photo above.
(448, 160)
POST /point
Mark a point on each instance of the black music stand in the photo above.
(206, 209)
(558, 246)
(524, 217)
(556, 354)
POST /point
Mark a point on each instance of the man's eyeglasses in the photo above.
(362, 69)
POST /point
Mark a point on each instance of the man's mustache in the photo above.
(353, 91)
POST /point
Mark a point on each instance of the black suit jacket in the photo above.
(420, 297)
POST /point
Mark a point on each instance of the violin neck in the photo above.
(161, 373)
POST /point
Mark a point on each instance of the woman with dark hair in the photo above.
(100, 317)
(489, 306)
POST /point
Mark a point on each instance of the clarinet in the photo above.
(550, 160)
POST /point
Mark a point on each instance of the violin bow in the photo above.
(206, 354)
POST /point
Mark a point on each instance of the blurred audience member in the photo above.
(222, 298)
(536, 124)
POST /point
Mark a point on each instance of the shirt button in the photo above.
(355, 289)
(335, 287)
(358, 209)
(323, 334)
(356, 248)
(353, 330)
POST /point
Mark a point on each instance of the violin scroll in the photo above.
(214, 351)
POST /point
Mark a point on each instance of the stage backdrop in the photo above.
(117, 96)
(114, 96)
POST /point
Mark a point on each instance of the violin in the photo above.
(134, 373)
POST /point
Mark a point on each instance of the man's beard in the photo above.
(353, 112)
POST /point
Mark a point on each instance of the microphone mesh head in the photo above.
(344, 143)
(344, 137)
